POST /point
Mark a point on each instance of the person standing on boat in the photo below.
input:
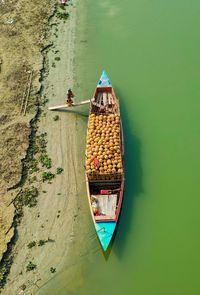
(70, 95)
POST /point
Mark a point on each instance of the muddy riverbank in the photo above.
(47, 232)
(23, 35)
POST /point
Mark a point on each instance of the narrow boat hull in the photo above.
(105, 161)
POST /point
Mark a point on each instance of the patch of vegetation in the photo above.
(56, 118)
(4, 270)
(47, 176)
(62, 6)
(32, 179)
(31, 266)
(32, 165)
(45, 161)
(42, 242)
(62, 15)
(18, 212)
(59, 170)
(31, 244)
(34, 149)
(52, 270)
(57, 58)
(30, 196)
(42, 142)
(44, 101)
(53, 65)
(27, 197)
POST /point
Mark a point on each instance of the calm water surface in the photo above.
(150, 50)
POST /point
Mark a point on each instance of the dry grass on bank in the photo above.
(22, 36)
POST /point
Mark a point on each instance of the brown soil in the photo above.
(22, 37)
(12, 149)
(61, 216)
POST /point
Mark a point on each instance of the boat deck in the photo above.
(106, 206)
(104, 102)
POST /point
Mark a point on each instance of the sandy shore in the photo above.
(61, 213)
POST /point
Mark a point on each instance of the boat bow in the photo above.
(104, 80)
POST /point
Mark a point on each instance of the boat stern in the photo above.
(105, 231)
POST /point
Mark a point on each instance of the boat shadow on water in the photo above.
(133, 185)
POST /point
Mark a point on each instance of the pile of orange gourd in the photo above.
(103, 147)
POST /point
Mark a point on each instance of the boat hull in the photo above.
(105, 188)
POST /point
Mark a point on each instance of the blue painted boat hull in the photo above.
(105, 231)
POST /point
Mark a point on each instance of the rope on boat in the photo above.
(103, 228)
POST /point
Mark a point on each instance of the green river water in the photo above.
(151, 52)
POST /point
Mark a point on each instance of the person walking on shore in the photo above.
(70, 95)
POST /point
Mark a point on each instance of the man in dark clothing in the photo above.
(70, 95)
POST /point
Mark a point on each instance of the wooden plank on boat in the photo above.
(102, 218)
(105, 181)
(99, 97)
(66, 106)
(109, 98)
(104, 98)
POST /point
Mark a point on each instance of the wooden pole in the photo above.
(64, 106)
(28, 93)
(23, 97)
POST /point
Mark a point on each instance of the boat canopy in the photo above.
(104, 80)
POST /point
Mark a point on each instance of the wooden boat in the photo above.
(104, 160)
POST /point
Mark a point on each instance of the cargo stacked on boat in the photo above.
(104, 147)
